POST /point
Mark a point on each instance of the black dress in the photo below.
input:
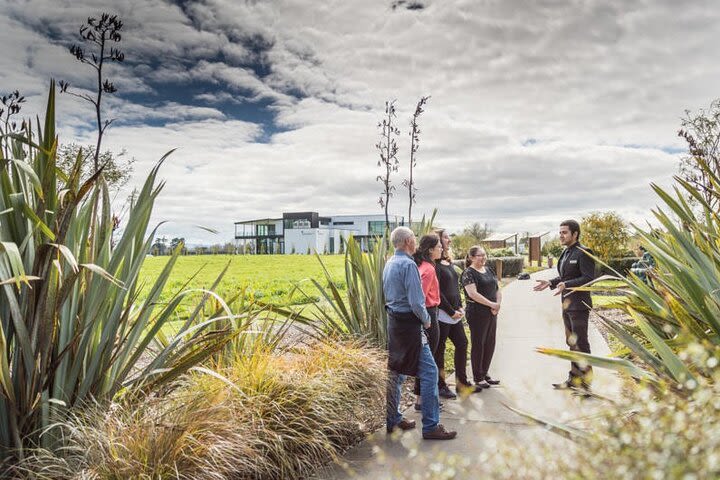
(481, 320)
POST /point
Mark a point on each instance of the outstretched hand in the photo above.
(541, 285)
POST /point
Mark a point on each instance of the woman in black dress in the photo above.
(483, 298)
(450, 316)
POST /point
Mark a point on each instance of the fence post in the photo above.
(498, 268)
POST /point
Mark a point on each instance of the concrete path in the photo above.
(527, 320)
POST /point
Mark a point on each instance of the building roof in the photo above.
(259, 220)
(499, 237)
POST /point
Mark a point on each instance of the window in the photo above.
(343, 223)
(265, 230)
(290, 223)
(376, 228)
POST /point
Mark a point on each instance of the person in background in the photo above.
(483, 298)
(408, 351)
(429, 251)
(644, 265)
(450, 314)
(575, 268)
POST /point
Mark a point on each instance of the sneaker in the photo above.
(445, 392)
(418, 407)
(440, 433)
(403, 425)
(491, 381)
(483, 384)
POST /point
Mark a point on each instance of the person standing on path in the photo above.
(483, 299)
(408, 351)
(427, 253)
(450, 316)
(575, 268)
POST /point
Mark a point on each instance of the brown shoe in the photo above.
(439, 434)
(403, 425)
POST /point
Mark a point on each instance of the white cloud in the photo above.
(588, 82)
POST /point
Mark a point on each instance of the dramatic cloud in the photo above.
(540, 110)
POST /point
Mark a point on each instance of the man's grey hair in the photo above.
(400, 235)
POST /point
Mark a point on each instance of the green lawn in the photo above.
(268, 278)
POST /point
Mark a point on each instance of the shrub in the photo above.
(511, 266)
(360, 314)
(605, 233)
(620, 265)
(268, 416)
(500, 252)
(552, 248)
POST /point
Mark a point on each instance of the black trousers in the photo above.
(456, 334)
(433, 337)
(483, 329)
(576, 336)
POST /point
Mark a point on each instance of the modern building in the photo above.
(308, 232)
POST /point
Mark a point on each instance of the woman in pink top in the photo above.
(429, 250)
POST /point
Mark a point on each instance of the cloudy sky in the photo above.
(539, 110)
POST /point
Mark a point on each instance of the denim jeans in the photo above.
(428, 375)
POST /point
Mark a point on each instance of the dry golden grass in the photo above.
(261, 416)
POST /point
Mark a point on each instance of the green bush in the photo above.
(605, 233)
(512, 266)
(620, 265)
(552, 248)
(500, 252)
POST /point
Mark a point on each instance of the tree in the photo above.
(178, 241)
(11, 105)
(98, 32)
(478, 231)
(701, 131)
(160, 246)
(606, 233)
(387, 148)
(117, 169)
(409, 183)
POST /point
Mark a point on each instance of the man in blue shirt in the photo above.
(408, 351)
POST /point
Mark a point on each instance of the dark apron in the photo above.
(404, 343)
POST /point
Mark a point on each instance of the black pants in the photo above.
(456, 334)
(433, 337)
(576, 336)
(483, 328)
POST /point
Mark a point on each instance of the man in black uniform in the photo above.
(576, 268)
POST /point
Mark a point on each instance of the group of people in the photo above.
(424, 309)
(422, 287)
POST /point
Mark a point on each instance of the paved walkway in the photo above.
(527, 320)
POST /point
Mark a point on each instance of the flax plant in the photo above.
(362, 312)
(72, 329)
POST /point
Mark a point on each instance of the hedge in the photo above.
(621, 265)
(512, 266)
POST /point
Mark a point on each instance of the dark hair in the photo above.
(573, 226)
(446, 253)
(427, 243)
(642, 248)
(471, 252)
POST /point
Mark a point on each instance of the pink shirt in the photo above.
(430, 285)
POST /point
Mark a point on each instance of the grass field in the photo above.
(269, 278)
